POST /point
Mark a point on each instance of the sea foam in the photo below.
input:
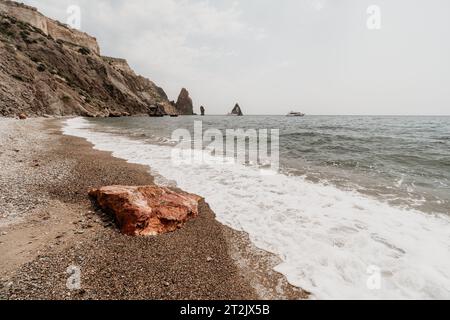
(331, 242)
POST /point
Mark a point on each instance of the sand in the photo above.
(48, 224)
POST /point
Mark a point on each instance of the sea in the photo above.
(357, 207)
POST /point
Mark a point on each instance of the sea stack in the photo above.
(237, 111)
(202, 111)
(184, 103)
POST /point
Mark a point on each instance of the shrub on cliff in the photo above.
(24, 34)
(41, 67)
(66, 98)
(5, 28)
(84, 51)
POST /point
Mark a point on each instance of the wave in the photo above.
(331, 242)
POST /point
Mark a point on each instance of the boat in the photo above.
(295, 114)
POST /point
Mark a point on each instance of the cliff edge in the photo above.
(237, 111)
(48, 68)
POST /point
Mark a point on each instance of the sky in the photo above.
(376, 57)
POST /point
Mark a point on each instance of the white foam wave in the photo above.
(328, 239)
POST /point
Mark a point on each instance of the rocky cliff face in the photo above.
(48, 26)
(48, 68)
(184, 103)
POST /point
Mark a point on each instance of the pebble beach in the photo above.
(48, 224)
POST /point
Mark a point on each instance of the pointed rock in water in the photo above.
(184, 103)
(237, 111)
(202, 110)
(147, 210)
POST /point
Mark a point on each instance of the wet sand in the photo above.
(48, 224)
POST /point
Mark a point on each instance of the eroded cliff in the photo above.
(49, 68)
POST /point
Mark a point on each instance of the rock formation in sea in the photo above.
(147, 210)
(202, 110)
(157, 111)
(47, 68)
(237, 111)
(184, 104)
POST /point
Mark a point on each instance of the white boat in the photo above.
(295, 114)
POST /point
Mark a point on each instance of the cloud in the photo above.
(169, 32)
(318, 5)
(181, 17)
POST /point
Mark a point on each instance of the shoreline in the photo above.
(61, 228)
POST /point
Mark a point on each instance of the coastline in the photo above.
(57, 227)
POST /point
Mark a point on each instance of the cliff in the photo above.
(48, 68)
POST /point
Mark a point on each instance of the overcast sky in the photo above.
(274, 56)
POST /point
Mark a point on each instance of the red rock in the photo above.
(22, 116)
(147, 210)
